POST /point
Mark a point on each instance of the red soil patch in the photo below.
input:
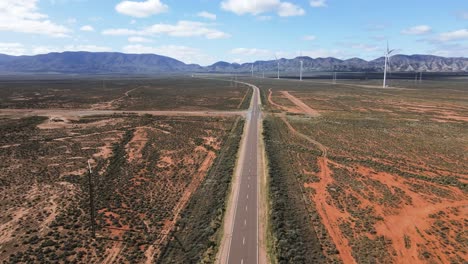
(281, 107)
(136, 145)
(407, 220)
(328, 213)
(301, 105)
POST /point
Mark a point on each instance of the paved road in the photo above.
(243, 247)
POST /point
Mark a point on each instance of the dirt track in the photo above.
(70, 113)
(305, 108)
(329, 214)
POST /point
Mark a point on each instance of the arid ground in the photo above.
(369, 175)
(150, 173)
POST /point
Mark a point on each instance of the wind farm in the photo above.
(233, 132)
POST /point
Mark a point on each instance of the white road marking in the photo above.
(245, 222)
(248, 185)
(247, 196)
(243, 241)
(246, 207)
(242, 261)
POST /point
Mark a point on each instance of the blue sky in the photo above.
(206, 31)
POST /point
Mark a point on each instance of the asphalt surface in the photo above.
(243, 248)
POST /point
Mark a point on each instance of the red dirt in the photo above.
(328, 213)
(281, 107)
(136, 145)
(301, 105)
(409, 217)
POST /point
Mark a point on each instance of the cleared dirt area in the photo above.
(305, 108)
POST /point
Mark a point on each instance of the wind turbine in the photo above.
(302, 64)
(387, 59)
(252, 69)
(277, 62)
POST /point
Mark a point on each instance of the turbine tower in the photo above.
(277, 62)
(302, 65)
(387, 58)
(252, 69)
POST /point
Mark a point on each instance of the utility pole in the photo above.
(91, 202)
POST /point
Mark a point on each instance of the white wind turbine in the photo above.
(387, 60)
(302, 65)
(277, 62)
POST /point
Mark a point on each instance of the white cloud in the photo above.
(87, 28)
(242, 7)
(121, 32)
(318, 3)
(14, 49)
(461, 34)
(365, 47)
(287, 9)
(44, 50)
(23, 16)
(182, 53)
(71, 20)
(49, 49)
(417, 30)
(309, 37)
(323, 53)
(138, 40)
(92, 48)
(141, 9)
(264, 18)
(207, 15)
(379, 37)
(181, 29)
(450, 50)
(250, 52)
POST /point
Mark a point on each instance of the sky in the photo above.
(207, 31)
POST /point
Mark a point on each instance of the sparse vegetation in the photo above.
(146, 171)
(196, 238)
(394, 158)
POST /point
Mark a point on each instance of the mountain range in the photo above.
(121, 63)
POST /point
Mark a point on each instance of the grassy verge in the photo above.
(269, 236)
(293, 237)
(245, 104)
(197, 235)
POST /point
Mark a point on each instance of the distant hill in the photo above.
(398, 63)
(93, 62)
(112, 62)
